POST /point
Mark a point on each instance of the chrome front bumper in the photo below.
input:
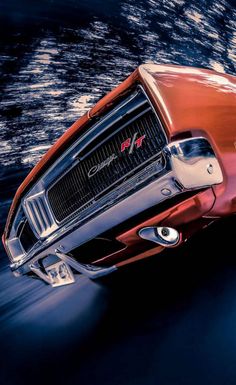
(190, 165)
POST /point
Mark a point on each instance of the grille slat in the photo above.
(75, 190)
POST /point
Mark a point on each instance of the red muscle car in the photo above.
(150, 164)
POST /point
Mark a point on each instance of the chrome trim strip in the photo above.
(154, 110)
(39, 215)
(90, 271)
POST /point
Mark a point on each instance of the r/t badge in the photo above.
(131, 143)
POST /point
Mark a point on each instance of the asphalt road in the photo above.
(168, 320)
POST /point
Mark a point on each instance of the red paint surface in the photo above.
(188, 100)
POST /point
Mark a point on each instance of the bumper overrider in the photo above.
(187, 165)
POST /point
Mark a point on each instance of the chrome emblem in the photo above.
(131, 143)
(106, 163)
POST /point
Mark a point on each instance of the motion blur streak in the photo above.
(175, 324)
(52, 73)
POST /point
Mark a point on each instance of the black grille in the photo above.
(76, 190)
